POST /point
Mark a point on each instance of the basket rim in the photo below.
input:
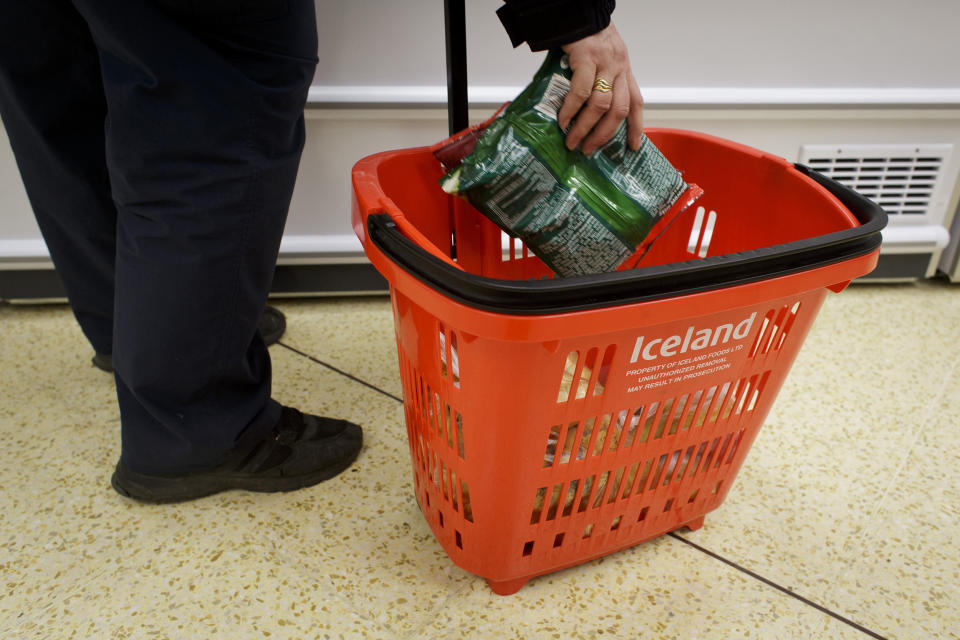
(578, 293)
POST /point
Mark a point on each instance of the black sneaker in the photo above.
(302, 451)
(272, 326)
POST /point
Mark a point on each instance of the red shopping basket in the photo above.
(556, 420)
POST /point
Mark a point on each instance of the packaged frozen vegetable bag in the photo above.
(579, 214)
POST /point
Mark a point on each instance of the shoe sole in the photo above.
(161, 490)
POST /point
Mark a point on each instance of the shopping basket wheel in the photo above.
(694, 524)
(507, 587)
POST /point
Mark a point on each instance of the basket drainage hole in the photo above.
(558, 540)
(459, 540)
(528, 548)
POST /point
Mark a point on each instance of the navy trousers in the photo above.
(159, 142)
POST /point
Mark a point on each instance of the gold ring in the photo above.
(602, 85)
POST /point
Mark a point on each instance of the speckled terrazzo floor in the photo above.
(842, 524)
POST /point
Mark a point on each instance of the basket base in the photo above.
(507, 587)
(510, 587)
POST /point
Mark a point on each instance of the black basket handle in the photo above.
(455, 22)
(558, 295)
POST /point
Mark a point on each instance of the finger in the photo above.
(581, 86)
(608, 124)
(635, 119)
(591, 112)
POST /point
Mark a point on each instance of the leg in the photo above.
(204, 134)
(53, 109)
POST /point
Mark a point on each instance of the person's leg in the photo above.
(204, 133)
(53, 108)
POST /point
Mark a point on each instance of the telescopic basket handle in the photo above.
(455, 22)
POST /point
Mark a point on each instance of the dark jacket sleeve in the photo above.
(545, 24)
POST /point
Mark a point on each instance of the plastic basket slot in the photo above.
(661, 463)
(538, 500)
(528, 548)
(449, 353)
(553, 439)
(691, 410)
(554, 501)
(701, 233)
(674, 459)
(571, 497)
(615, 524)
(585, 495)
(788, 324)
(708, 401)
(735, 447)
(631, 476)
(448, 420)
(436, 470)
(586, 374)
(603, 433)
(631, 430)
(693, 496)
(437, 415)
(585, 438)
(601, 489)
(558, 540)
(459, 539)
(774, 330)
(587, 531)
(615, 486)
(709, 458)
(668, 505)
(697, 459)
(465, 500)
(730, 402)
(453, 490)
(568, 442)
(642, 483)
(460, 445)
(643, 514)
(648, 424)
(444, 479)
(617, 433)
(767, 320)
(778, 324)
(723, 451)
(678, 414)
(664, 416)
(603, 372)
(571, 372)
(744, 393)
(685, 461)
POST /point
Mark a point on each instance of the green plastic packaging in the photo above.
(579, 214)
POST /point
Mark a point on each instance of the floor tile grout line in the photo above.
(782, 589)
(914, 437)
(340, 371)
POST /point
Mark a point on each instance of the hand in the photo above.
(598, 113)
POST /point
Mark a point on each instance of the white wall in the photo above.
(690, 43)
(774, 53)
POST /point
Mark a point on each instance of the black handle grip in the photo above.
(558, 295)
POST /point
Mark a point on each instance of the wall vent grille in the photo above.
(903, 179)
